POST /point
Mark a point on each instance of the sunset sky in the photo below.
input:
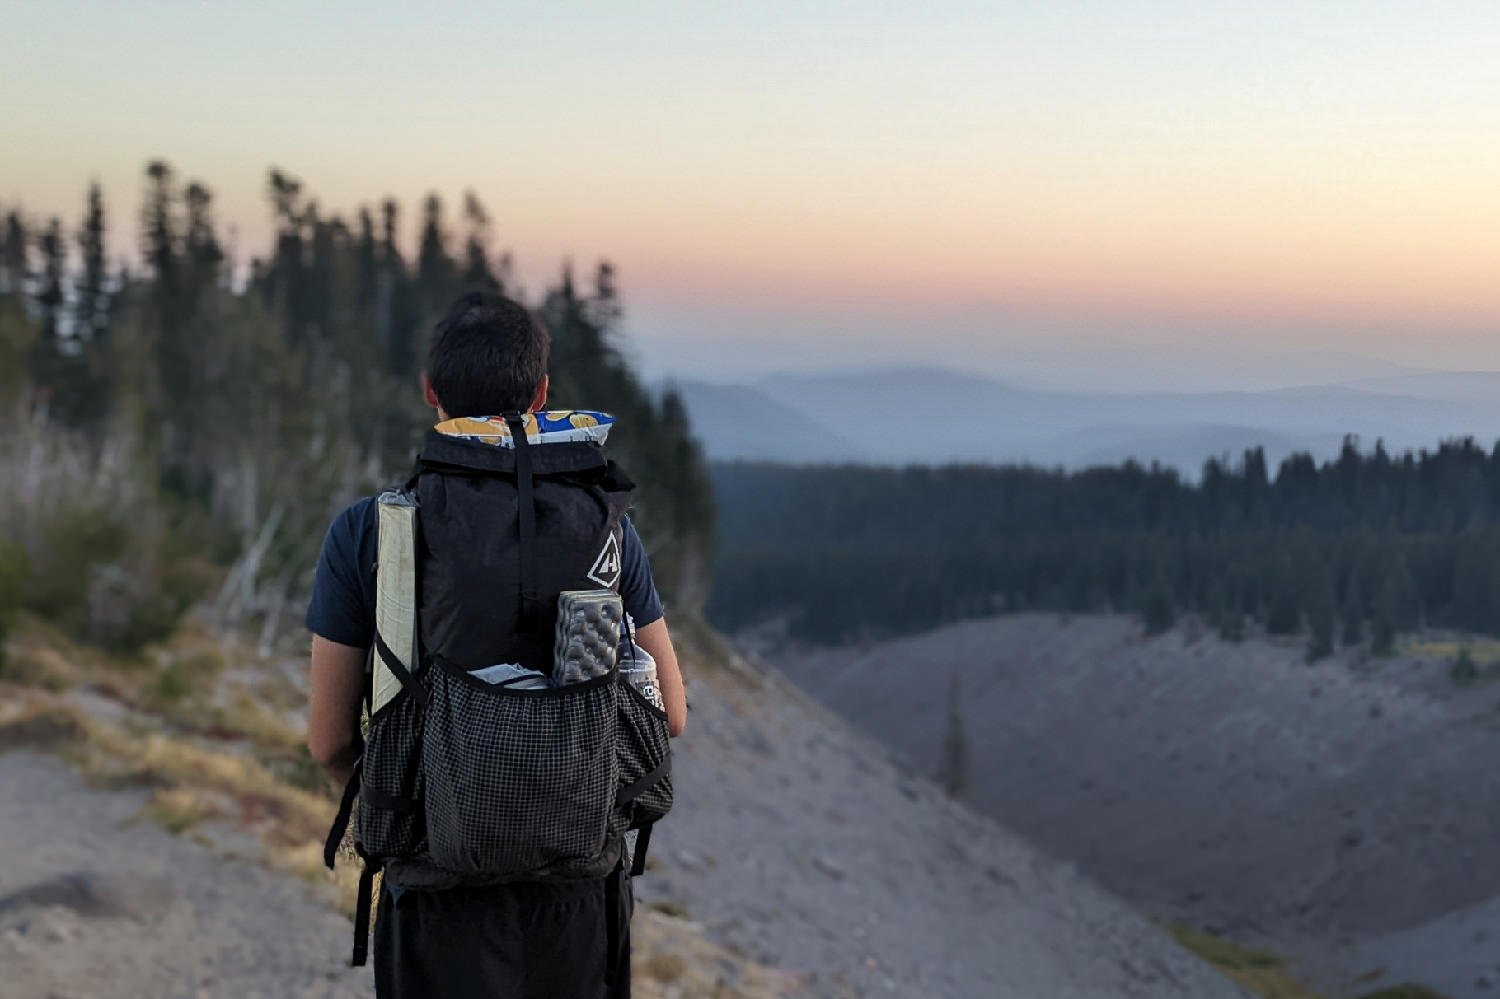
(1102, 194)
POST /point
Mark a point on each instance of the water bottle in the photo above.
(637, 666)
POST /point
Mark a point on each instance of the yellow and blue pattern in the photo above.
(551, 427)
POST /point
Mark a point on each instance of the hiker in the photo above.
(509, 506)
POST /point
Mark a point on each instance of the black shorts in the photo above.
(550, 940)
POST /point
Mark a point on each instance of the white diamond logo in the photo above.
(606, 570)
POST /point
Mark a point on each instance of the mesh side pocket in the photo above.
(644, 745)
(518, 780)
(389, 820)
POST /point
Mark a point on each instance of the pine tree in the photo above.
(1284, 615)
(437, 274)
(93, 282)
(159, 238)
(392, 273)
(1383, 622)
(366, 268)
(604, 309)
(955, 767)
(1320, 612)
(15, 253)
(1352, 615)
(50, 296)
(203, 252)
(478, 274)
(1158, 612)
(1464, 671)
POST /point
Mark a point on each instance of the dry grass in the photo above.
(672, 959)
(1483, 650)
(1260, 971)
(178, 809)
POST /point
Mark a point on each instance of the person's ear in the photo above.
(539, 403)
(430, 397)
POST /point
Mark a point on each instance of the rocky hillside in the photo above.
(802, 860)
(1342, 812)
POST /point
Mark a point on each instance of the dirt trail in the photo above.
(96, 903)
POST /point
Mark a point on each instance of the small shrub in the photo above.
(1159, 614)
(1464, 672)
(1405, 990)
(12, 574)
(1382, 636)
(663, 967)
(173, 684)
(72, 543)
(1231, 625)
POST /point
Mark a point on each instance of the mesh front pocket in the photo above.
(645, 753)
(518, 780)
(389, 820)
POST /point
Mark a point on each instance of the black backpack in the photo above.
(486, 782)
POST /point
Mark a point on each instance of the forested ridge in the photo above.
(179, 428)
(1351, 551)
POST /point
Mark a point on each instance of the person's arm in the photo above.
(341, 616)
(337, 688)
(658, 645)
(643, 604)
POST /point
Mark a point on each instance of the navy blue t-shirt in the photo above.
(343, 599)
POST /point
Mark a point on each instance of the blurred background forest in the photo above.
(1351, 551)
(179, 432)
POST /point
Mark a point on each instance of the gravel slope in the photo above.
(1322, 808)
(803, 843)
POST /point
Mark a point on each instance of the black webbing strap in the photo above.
(416, 473)
(613, 959)
(642, 844)
(362, 915)
(402, 673)
(526, 513)
(636, 788)
(396, 803)
(341, 820)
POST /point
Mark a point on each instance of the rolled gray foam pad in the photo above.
(587, 638)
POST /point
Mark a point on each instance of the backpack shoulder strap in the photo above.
(396, 661)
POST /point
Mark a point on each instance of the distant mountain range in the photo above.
(901, 416)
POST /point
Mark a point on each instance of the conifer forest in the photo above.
(1352, 551)
(181, 425)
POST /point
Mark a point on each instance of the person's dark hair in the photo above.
(488, 356)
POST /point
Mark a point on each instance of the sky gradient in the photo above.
(781, 186)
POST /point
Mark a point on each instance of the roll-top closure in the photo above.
(443, 453)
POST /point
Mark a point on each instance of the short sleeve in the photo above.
(342, 608)
(637, 588)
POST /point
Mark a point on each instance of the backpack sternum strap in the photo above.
(398, 669)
